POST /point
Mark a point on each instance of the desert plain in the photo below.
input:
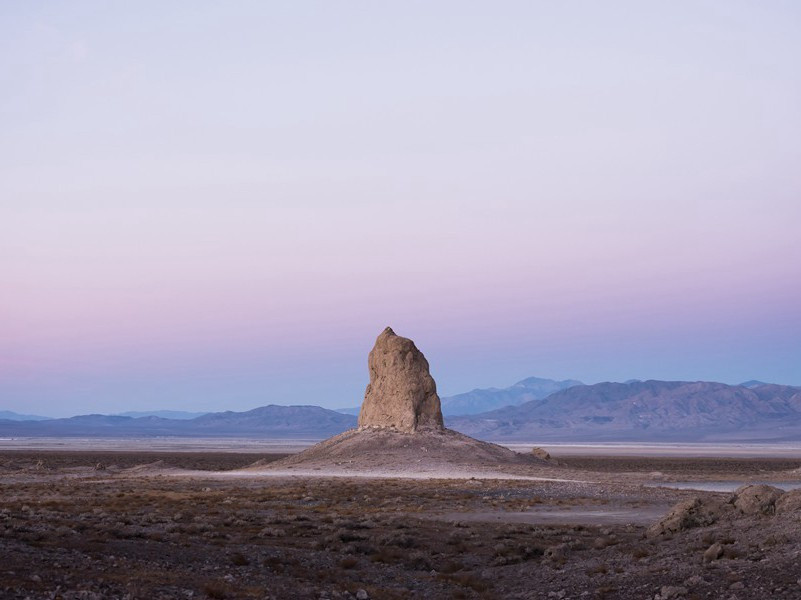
(225, 524)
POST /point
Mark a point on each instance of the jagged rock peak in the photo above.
(401, 394)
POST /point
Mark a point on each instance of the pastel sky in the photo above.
(219, 205)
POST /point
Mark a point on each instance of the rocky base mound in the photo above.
(436, 451)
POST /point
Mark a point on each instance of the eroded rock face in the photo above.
(401, 394)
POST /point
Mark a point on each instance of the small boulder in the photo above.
(757, 499)
(693, 512)
(556, 553)
(714, 552)
(541, 453)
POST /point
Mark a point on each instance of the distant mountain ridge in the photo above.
(483, 400)
(9, 415)
(164, 414)
(655, 411)
(280, 422)
(646, 411)
(486, 399)
(752, 383)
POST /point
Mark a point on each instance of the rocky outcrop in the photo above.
(757, 499)
(401, 432)
(690, 513)
(752, 500)
(401, 395)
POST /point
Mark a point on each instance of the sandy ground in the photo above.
(188, 524)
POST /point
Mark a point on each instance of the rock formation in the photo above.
(401, 431)
(401, 395)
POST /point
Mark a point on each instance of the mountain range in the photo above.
(533, 409)
(647, 411)
(483, 400)
(12, 416)
(164, 414)
(279, 422)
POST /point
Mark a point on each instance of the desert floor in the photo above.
(135, 524)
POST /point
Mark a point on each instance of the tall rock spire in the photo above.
(401, 394)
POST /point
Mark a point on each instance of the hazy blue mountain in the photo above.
(753, 383)
(12, 416)
(308, 422)
(278, 420)
(483, 400)
(646, 411)
(164, 414)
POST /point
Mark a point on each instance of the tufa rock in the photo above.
(401, 394)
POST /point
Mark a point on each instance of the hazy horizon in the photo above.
(216, 207)
(355, 404)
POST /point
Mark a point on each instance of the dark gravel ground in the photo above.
(201, 461)
(115, 535)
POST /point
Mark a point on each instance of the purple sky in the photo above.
(209, 206)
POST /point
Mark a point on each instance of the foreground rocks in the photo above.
(756, 499)
(401, 394)
(125, 533)
(703, 511)
(698, 511)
